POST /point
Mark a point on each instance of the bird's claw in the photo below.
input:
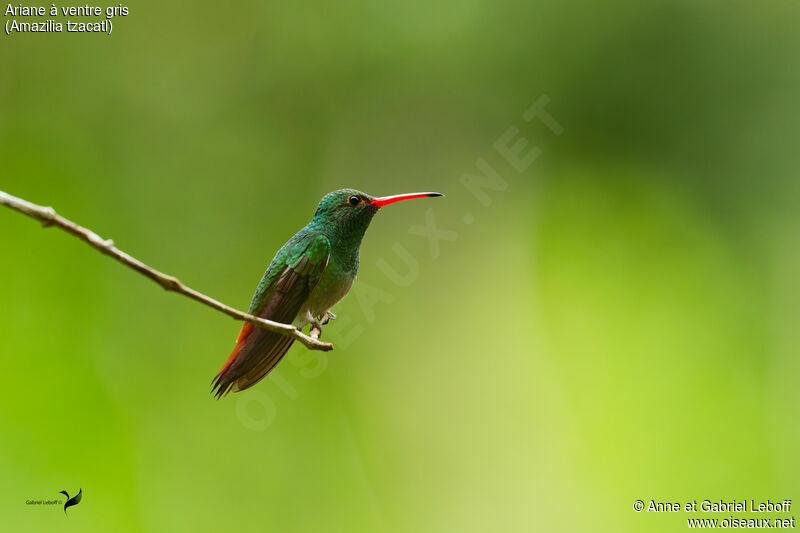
(316, 330)
(316, 325)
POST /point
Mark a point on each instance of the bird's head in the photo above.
(350, 207)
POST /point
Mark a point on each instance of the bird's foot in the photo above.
(328, 317)
(316, 330)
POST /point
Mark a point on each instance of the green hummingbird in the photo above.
(309, 274)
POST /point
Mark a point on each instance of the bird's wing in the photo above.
(258, 350)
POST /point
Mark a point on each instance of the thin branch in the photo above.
(48, 217)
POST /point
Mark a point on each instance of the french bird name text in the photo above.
(53, 13)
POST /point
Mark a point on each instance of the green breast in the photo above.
(334, 285)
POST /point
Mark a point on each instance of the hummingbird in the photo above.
(306, 278)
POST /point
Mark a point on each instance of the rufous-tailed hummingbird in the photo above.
(309, 274)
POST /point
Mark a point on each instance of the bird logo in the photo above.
(75, 500)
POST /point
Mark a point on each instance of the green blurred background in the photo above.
(619, 323)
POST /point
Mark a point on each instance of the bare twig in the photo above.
(48, 217)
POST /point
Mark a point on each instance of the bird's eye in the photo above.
(354, 200)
